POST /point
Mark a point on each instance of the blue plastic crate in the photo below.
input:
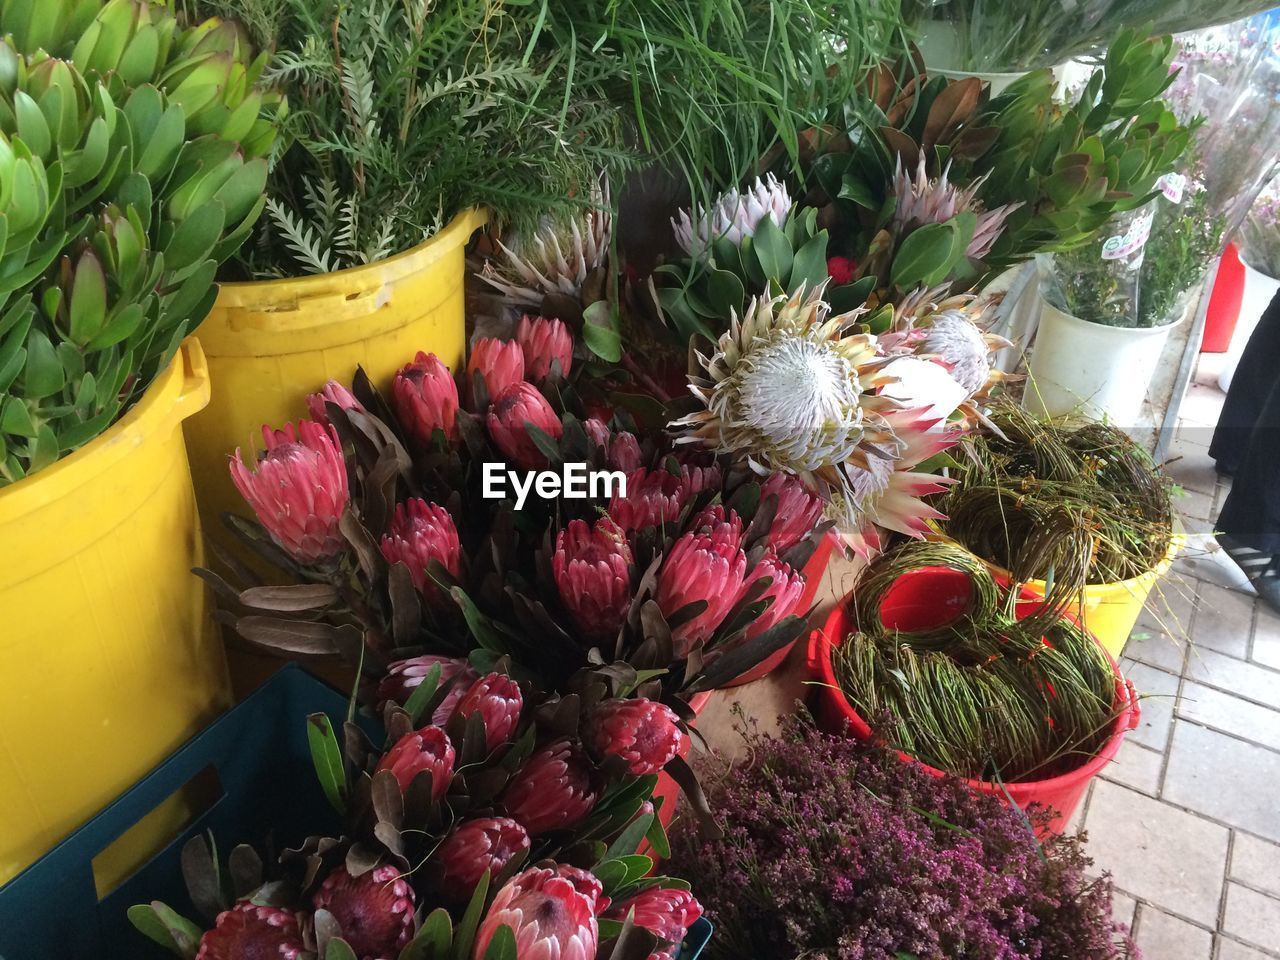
(259, 755)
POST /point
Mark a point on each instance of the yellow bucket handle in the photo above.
(195, 393)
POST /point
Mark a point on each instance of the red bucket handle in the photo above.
(1135, 711)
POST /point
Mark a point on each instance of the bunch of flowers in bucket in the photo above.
(494, 823)
(376, 512)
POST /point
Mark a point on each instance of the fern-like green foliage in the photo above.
(404, 112)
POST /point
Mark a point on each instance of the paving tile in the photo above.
(1229, 949)
(1194, 470)
(1266, 638)
(1150, 646)
(1251, 916)
(1246, 680)
(1201, 406)
(1163, 937)
(1157, 852)
(1205, 560)
(1191, 435)
(1222, 711)
(1195, 504)
(1224, 621)
(1256, 863)
(1123, 908)
(1136, 767)
(1224, 778)
(1158, 691)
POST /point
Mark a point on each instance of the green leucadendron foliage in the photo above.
(132, 162)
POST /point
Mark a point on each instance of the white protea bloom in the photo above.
(790, 389)
(557, 258)
(922, 200)
(733, 216)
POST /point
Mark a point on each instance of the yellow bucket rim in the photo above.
(181, 390)
(249, 294)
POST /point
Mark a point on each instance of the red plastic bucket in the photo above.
(1061, 793)
(813, 572)
(1224, 303)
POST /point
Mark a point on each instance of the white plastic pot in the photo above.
(1097, 370)
(1258, 291)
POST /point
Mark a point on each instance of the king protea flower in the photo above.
(733, 216)
(553, 790)
(500, 362)
(788, 390)
(373, 910)
(547, 343)
(513, 412)
(405, 676)
(643, 733)
(963, 347)
(474, 846)
(707, 567)
(426, 750)
(592, 567)
(667, 913)
(797, 513)
(335, 393)
(557, 259)
(420, 533)
(426, 398)
(549, 916)
(922, 201)
(249, 930)
(785, 588)
(298, 489)
(498, 700)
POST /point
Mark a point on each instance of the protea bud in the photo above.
(784, 591)
(298, 489)
(644, 733)
(517, 408)
(798, 512)
(652, 497)
(554, 790)
(666, 912)
(427, 749)
(701, 566)
(473, 847)
(405, 676)
(498, 701)
(249, 930)
(597, 432)
(699, 471)
(717, 517)
(592, 566)
(624, 452)
(421, 532)
(426, 398)
(500, 362)
(374, 910)
(550, 918)
(733, 216)
(544, 342)
(334, 393)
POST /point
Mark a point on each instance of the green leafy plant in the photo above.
(122, 187)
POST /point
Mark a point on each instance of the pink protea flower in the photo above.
(500, 362)
(701, 566)
(597, 432)
(798, 513)
(374, 910)
(550, 918)
(700, 472)
(624, 452)
(405, 676)
(653, 497)
(498, 701)
(592, 567)
(784, 590)
(644, 733)
(334, 393)
(718, 517)
(841, 270)
(517, 407)
(667, 913)
(248, 930)
(473, 847)
(544, 342)
(587, 884)
(298, 489)
(426, 398)
(427, 749)
(421, 532)
(554, 790)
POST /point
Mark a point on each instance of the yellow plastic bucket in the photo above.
(108, 656)
(272, 342)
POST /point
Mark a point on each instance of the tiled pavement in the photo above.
(1188, 818)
